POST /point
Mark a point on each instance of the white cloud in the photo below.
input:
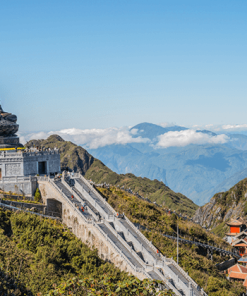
(166, 124)
(91, 138)
(187, 137)
(35, 136)
(234, 126)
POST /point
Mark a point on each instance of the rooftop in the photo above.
(235, 222)
(238, 272)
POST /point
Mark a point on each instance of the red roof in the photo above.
(241, 245)
(234, 268)
(238, 272)
(243, 268)
(237, 275)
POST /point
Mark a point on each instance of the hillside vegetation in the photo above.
(191, 258)
(38, 255)
(222, 207)
(78, 159)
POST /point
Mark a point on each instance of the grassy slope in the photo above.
(192, 259)
(44, 252)
(153, 189)
(78, 159)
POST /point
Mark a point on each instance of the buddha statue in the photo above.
(8, 116)
(8, 125)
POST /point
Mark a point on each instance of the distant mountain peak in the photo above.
(152, 131)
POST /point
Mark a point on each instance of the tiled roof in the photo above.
(241, 245)
(243, 268)
(234, 222)
(237, 275)
(239, 241)
(242, 233)
(237, 272)
(234, 268)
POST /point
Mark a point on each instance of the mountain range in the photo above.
(196, 170)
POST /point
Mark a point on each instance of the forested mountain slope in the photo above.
(78, 159)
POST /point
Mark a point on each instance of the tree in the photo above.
(37, 195)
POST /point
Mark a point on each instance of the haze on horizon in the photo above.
(99, 64)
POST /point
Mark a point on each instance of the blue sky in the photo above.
(99, 64)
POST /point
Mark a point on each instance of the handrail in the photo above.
(92, 201)
(140, 233)
(80, 199)
(167, 282)
(183, 272)
(116, 248)
(174, 276)
(66, 198)
(96, 192)
(124, 243)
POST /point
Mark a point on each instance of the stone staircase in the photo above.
(133, 247)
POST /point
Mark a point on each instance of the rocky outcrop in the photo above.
(223, 206)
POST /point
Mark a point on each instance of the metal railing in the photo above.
(79, 199)
(140, 270)
(77, 175)
(67, 199)
(140, 234)
(126, 245)
(202, 245)
(180, 269)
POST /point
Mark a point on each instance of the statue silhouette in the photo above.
(8, 126)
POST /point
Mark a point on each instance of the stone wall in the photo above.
(40, 208)
(19, 163)
(31, 161)
(226, 264)
(26, 187)
(88, 233)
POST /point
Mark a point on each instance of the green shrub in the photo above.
(109, 286)
(37, 195)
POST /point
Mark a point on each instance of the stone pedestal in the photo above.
(9, 142)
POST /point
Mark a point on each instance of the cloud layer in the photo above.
(234, 127)
(95, 138)
(187, 137)
(91, 138)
